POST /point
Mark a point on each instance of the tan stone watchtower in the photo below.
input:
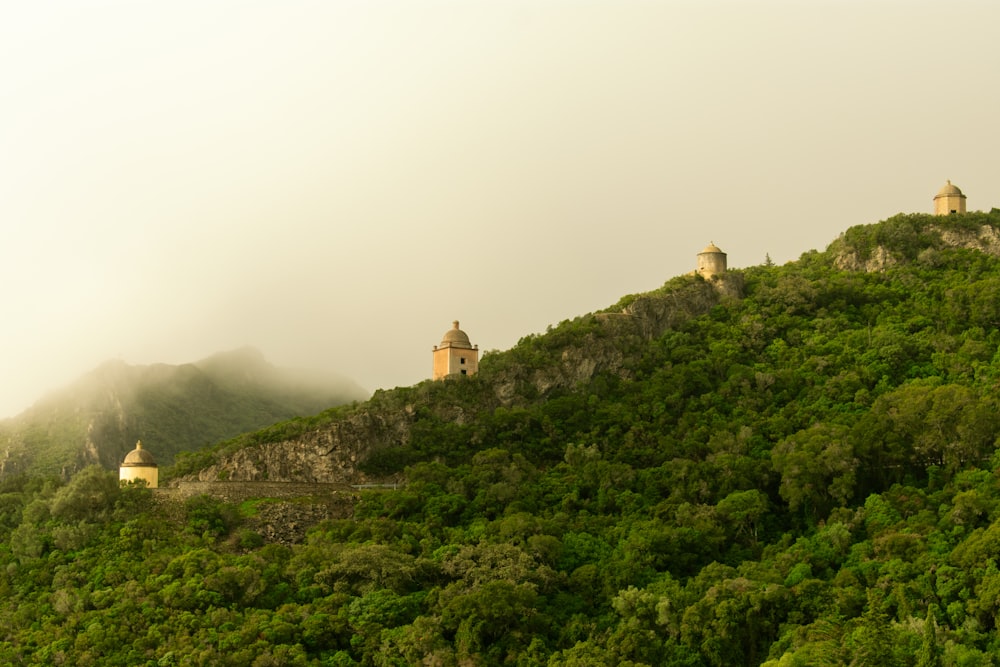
(948, 200)
(455, 355)
(139, 464)
(711, 261)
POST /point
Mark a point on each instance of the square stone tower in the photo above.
(455, 355)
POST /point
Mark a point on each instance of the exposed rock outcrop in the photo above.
(986, 239)
(879, 260)
(330, 454)
(847, 256)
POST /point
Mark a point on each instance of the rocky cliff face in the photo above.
(333, 452)
(849, 257)
(986, 239)
(330, 454)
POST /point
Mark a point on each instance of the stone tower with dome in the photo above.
(455, 355)
(139, 464)
(711, 261)
(948, 200)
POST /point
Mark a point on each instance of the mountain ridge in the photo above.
(378, 435)
(98, 417)
(331, 446)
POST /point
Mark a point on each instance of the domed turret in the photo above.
(948, 200)
(139, 464)
(711, 261)
(456, 355)
(455, 337)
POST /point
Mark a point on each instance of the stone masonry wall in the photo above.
(236, 492)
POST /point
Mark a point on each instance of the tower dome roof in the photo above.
(711, 247)
(948, 189)
(455, 337)
(139, 457)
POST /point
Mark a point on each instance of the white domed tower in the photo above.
(139, 464)
(711, 261)
(455, 355)
(948, 200)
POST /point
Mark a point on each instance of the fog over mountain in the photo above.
(173, 408)
(334, 183)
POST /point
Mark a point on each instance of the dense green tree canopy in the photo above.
(805, 474)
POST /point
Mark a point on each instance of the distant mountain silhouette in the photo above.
(98, 418)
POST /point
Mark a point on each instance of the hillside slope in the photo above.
(395, 426)
(98, 418)
(695, 340)
(796, 465)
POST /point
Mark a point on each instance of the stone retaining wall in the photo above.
(236, 492)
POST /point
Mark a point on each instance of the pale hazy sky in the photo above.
(334, 182)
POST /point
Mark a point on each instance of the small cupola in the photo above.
(711, 261)
(948, 200)
(139, 464)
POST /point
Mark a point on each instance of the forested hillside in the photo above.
(99, 417)
(800, 471)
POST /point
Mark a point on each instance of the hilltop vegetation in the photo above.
(800, 470)
(99, 418)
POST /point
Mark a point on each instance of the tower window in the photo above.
(463, 372)
(461, 360)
